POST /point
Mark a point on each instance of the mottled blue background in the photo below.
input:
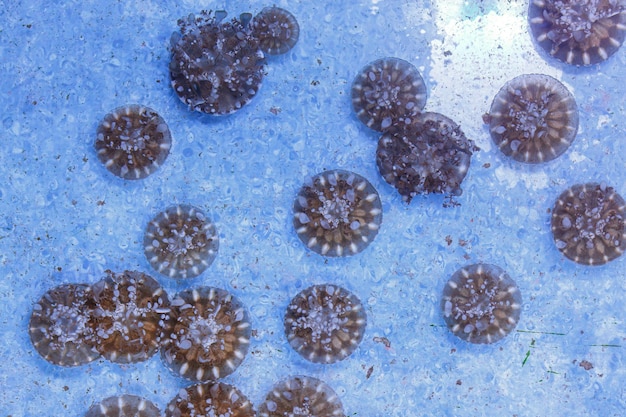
(64, 218)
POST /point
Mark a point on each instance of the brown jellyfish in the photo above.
(124, 406)
(430, 155)
(210, 399)
(59, 326)
(533, 118)
(133, 141)
(388, 92)
(130, 316)
(210, 334)
(337, 213)
(181, 242)
(325, 323)
(301, 396)
(216, 67)
(481, 303)
(581, 32)
(588, 224)
(277, 30)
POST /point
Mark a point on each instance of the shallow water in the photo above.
(65, 218)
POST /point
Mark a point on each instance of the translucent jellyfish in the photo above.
(388, 92)
(216, 67)
(533, 118)
(430, 155)
(210, 399)
(133, 141)
(481, 303)
(588, 224)
(581, 32)
(301, 396)
(59, 326)
(337, 213)
(210, 334)
(325, 323)
(181, 242)
(277, 30)
(130, 316)
(124, 406)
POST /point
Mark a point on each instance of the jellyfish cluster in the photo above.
(419, 152)
(217, 65)
(203, 333)
(297, 395)
(122, 317)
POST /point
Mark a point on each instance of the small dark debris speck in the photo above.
(586, 365)
(382, 340)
